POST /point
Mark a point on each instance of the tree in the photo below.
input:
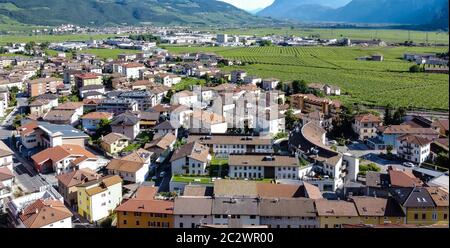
(442, 159)
(29, 47)
(363, 169)
(44, 45)
(414, 69)
(299, 86)
(103, 128)
(388, 115)
(399, 114)
(389, 149)
(290, 119)
(280, 86)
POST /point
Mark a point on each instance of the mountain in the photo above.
(415, 12)
(285, 8)
(108, 12)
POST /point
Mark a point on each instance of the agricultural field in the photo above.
(390, 35)
(109, 53)
(4, 39)
(364, 82)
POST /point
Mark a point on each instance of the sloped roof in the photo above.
(77, 177)
(125, 119)
(44, 212)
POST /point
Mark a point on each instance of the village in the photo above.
(155, 139)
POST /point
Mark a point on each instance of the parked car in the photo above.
(408, 164)
(162, 174)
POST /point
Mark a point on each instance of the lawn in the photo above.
(187, 83)
(363, 82)
(390, 35)
(192, 179)
(109, 53)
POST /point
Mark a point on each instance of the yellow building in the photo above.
(85, 79)
(423, 206)
(143, 211)
(98, 199)
(335, 214)
(114, 143)
(378, 211)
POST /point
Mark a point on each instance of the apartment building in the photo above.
(365, 126)
(413, 148)
(192, 212)
(190, 159)
(42, 86)
(263, 166)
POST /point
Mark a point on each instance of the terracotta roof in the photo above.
(403, 179)
(262, 160)
(28, 128)
(439, 196)
(230, 139)
(336, 208)
(162, 142)
(39, 102)
(226, 187)
(441, 123)
(294, 207)
(58, 153)
(414, 139)
(193, 206)
(145, 193)
(192, 150)
(147, 206)
(70, 106)
(198, 190)
(5, 150)
(132, 65)
(97, 116)
(44, 212)
(59, 115)
(370, 206)
(124, 165)
(269, 190)
(368, 118)
(140, 156)
(311, 191)
(5, 174)
(84, 76)
(101, 184)
(406, 129)
(113, 137)
(77, 177)
(208, 117)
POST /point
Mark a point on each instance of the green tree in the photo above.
(399, 114)
(388, 115)
(442, 159)
(29, 47)
(103, 128)
(415, 69)
(389, 149)
(290, 119)
(299, 86)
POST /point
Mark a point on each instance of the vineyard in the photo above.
(368, 82)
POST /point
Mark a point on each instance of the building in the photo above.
(92, 120)
(86, 79)
(167, 80)
(126, 124)
(129, 70)
(114, 143)
(6, 156)
(46, 214)
(166, 127)
(144, 211)
(222, 38)
(440, 199)
(130, 170)
(442, 126)
(365, 126)
(58, 159)
(389, 134)
(190, 159)
(40, 107)
(288, 213)
(61, 117)
(117, 106)
(238, 76)
(192, 212)
(335, 214)
(42, 86)
(263, 166)
(7, 179)
(310, 103)
(92, 91)
(97, 199)
(378, 211)
(244, 210)
(270, 84)
(43, 134)
(185, 98)
(68, 182)
(207, 122)
(413, 148)
(161, 147)
(224, 145)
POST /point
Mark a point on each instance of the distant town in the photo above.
(157, 139)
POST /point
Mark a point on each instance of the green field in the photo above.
(109, 53)
(391, 35)
(50, 38)
(366, 82)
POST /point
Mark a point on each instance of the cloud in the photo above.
(249, 4)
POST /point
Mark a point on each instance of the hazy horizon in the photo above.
(249, 4)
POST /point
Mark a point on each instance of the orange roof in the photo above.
(28, 128)
(368, 118)
(58, 153)
(132, 65)
(70, 106)
(84, 76)
(147, 206)
(97, 116)
(44, 212)
(403, 179)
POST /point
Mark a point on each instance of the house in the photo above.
(167, 79)
(166, 127)
(97, 199)
(378, 211)
(117, 106)
(440, 199)
(62, 117)
(316, 117)
(389, 134)
(7, 179)
(413, 148)
(186, 98)
(68, 182)
(6, 156)
(143, 211)
(402, 179)
(58, 159)
(441, 125)
(147, 120)
(40, 107)
(288, 213)
(86, 79)
(377, 184)
(263, 166)
(162, 146)
(42, 86)
(270, 84)
(238, 76)
(190, 159)
(91, 121)
(132, 168)
(192, 212)
(334, 214)
(42, 134)
(129, 70)
(126, 124)
(46, 214)
(309, 103)
(245, 210)
(224, 145)
(207, 122)
(92, 91)
(114, 143)
(252, 80)
(365, 126)
(145, 99)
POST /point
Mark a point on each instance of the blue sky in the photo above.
(249, 4)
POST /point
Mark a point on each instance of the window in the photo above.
(181, 225)
(424, 216)
(252, 217)
(217, 216)
(125, 213)
(445, 216)
(124, 222)
(416, 216)
(137, 223)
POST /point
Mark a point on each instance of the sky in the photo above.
(250, 4)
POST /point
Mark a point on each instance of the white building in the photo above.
(185, 98)
(263, 166)
(413, 148)
(129, 70)
(243, 210)
(222, 38)
(365, 126)
(192, 212)
(190, 159)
